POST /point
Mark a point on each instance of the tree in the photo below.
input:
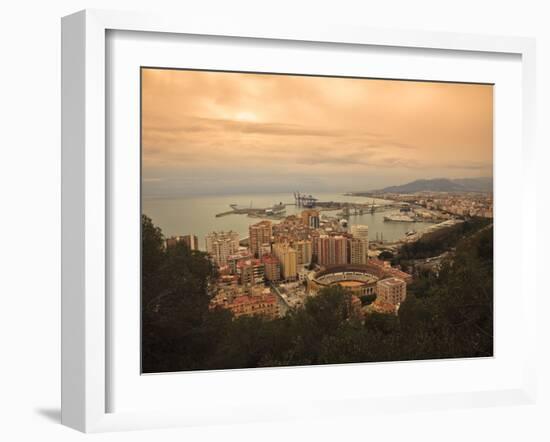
(382, 323)
(367, 299)
(386, 255)
(152, 255)
(175, 316)
(330, 308)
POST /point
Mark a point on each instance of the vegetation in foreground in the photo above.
(439, 241)
(444, 316)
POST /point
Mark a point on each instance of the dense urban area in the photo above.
(310, 289)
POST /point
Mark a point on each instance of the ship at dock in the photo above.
(399, 217)
(277, 209)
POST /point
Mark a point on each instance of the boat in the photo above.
(277, 208)
(399, 218)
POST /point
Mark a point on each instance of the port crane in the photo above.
(303, 200)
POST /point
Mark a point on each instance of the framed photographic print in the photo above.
(250, 214)
(333, 275)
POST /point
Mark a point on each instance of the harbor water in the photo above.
(197, 214)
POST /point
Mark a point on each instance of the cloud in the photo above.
(469, 165)
(256, 130)
(195, 124)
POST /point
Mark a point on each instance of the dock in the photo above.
(274, 212)
(229, 212)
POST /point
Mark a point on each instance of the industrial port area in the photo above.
(277, 211)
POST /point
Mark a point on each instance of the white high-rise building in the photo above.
(221, 245)
(260, 237)
(287, 257)
(360, 231)
(358, 251)
(303, 251)
(359, 245)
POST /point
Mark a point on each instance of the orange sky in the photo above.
(217, 132)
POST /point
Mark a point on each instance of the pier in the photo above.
(229, 212)
(275, 212)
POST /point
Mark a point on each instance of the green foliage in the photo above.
(444, 316)
(423, 284)
(367, 299)
(452, 315)
(330, 308)
(385, 324)
(439, 241)
(152, 253)
(176, 323)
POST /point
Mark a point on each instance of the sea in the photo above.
(196, 215)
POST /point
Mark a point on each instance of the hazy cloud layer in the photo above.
(208, 132)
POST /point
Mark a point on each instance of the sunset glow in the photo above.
(286, 132)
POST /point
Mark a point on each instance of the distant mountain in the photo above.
(484, 184)
(442, 185)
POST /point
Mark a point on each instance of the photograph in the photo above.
(304, 220)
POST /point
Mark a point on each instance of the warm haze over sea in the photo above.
(223, 133)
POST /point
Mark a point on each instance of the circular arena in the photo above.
(360, 280)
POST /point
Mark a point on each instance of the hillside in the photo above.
(442, 185)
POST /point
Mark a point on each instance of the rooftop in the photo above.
(270, 259)
(391, 282)
(249, 262)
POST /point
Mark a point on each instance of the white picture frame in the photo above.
(85, 310)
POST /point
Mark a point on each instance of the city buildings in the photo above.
(391, 291)
(172, 241)
(360, 231)
(386, 268)
(242, 254)
(191, 241)
(303, 251)
(359, 244)
(260, 301)
(251, 272)
(272, 268)
(279, 258)
(265, 304)
(220, 245)
(293, 294)
(357, 251)
(291, 229)
(259, 236)
(332, 249)
(310, 218)
(225, 281)
(287, 257)
(249, 305)
(446, 204)
(265, 249)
